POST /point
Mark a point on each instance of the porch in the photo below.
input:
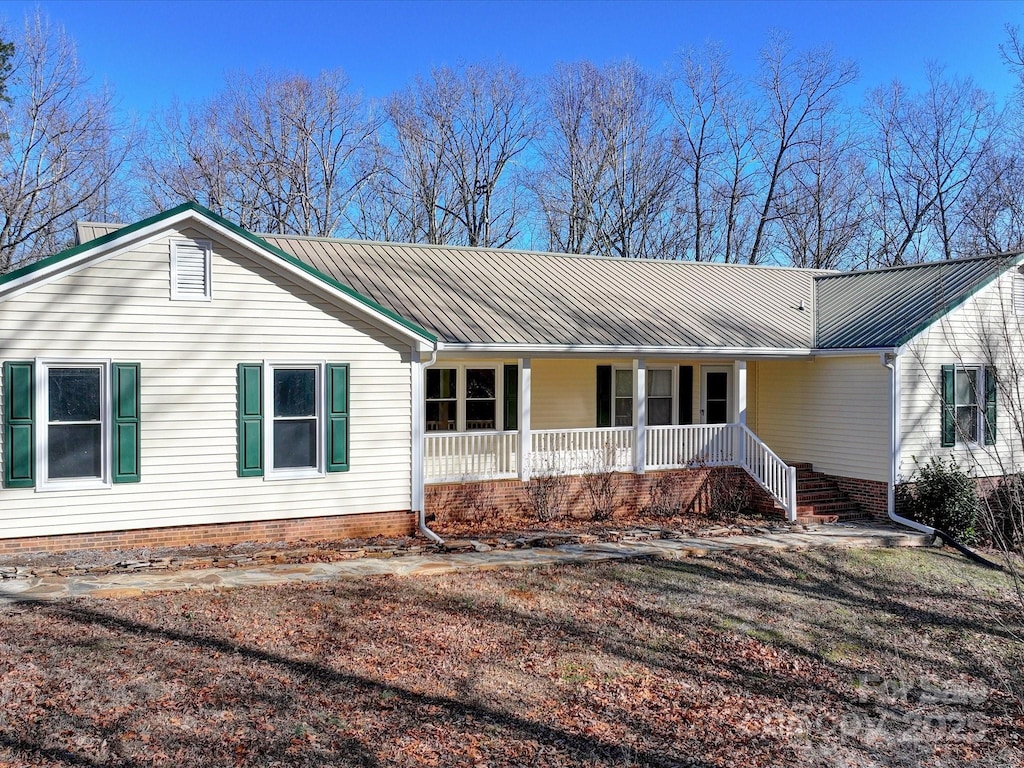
(478, 421)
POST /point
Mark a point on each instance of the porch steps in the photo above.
(819, 499)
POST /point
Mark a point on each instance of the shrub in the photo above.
(941, 495)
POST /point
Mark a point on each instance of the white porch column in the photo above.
(739, 370)
(418, 424)
(525, 437)
(739, 377)
(639, 415)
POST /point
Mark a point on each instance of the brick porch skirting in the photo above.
(496, 504)
(306, 528)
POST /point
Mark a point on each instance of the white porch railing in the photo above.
(458, 456)
(581, 451)
(465, 456)
(708, 445)
(770, 472)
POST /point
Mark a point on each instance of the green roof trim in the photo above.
(35, 266)
(243, 233)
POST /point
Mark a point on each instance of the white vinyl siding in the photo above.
(831, 411)
(120, 309)
(190, 269)
(984, 331)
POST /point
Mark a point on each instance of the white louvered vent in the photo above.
(1018, 294)
(190, 269)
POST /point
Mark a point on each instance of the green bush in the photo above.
(941, 495)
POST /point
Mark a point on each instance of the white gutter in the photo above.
(892, 361)
(418, 421)
(604, 350)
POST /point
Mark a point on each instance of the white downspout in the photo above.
(419, 370)
(892, 362)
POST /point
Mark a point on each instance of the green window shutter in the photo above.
(686, 394)
(948, 406)
(250, 420)
(990, 406)
(337, 417)
(126, 422)
(604, 395)
(19, 425)
(511, 420)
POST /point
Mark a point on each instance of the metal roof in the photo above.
(491, 296)
(888, 307)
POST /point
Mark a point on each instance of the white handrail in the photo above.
(770, 471)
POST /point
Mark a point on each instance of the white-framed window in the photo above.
(623, 390)
(190, 270)
(660, 397)
(461, 398)
(481, 398)
(442, 397)
(295, 427)
(968, 396)
(73, 414)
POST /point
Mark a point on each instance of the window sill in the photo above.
(299, 474)
(73, 485)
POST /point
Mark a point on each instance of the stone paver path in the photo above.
(135, 584)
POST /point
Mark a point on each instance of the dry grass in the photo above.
(827, 658)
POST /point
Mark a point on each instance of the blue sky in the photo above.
(149, 51)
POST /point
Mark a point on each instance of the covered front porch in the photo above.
(485, 420)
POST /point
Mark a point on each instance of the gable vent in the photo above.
(190, 269)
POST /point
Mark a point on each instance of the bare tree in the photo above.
(925, 151)
(574, 159)
(459, 133)
(278, 153)
(801, 92)
(62, 152)
(609, 179)
(701, 95)
(822, 206)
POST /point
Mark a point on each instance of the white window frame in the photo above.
(673, 393)
(294, 473)
(42, 419)
(615, 397)
(979, 405)
(461, 389)
(207, 247)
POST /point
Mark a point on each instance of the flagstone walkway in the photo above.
(119, 585)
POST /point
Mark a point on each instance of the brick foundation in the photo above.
(499, 504)
(306, 528)
(871, 495)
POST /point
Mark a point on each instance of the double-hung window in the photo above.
(75, 406)
(659, 396)
(481, 398)
(70, 424)
(293, 419)
(461, 398)
(297, 403)
(968, 405)
(442, 399)
(623, 397)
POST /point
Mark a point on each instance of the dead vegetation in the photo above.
(813, 659)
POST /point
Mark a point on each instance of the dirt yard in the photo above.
(830, 658)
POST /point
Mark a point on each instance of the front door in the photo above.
(714, 394)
